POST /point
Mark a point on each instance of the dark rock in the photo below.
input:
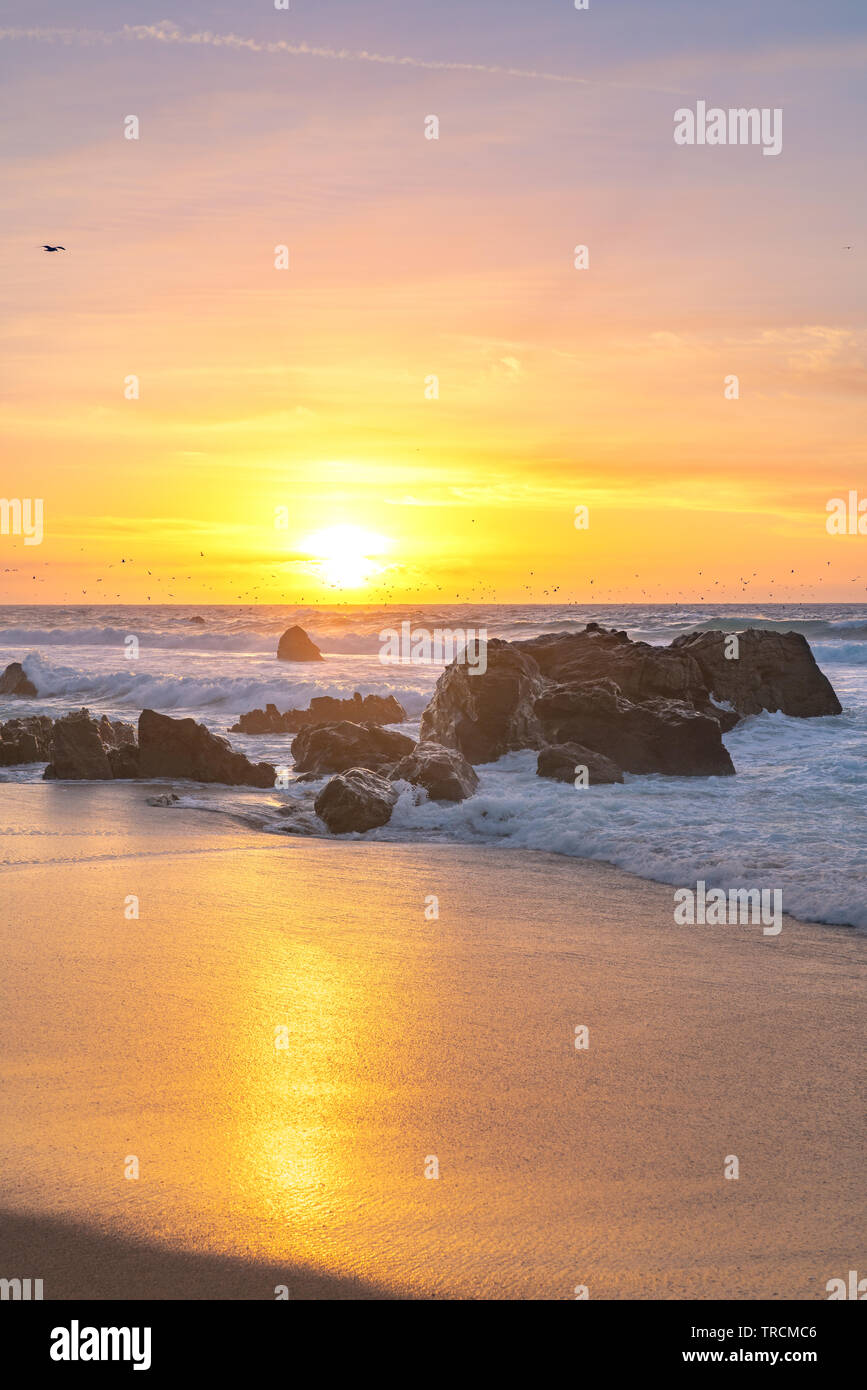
(77, 752)
(14, 682)
(559, 761)
(324, 709)
(773, 671)
(25, 740)
(14, 752)
(199, 622)
(486, 714)
(124, 760)
(257, 721)
(640, 671)
(667, 736)
(356, 799)
(295, 645)
(183, 748)
(335, 747)
(443, 772)
(113, 733)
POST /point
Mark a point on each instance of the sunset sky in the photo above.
(305, 389)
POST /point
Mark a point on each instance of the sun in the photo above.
(344, 557)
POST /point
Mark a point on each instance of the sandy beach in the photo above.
(406, 1039)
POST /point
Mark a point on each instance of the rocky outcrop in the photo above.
(559, 761)
(324, 709)
(356, 799)
(182, 748)
(124, 761)
(486, 714)
(295, 645)
(444, 773)
(77, 751)
(14, 681)
(113, 733)
(25, 740)
(647, 709)
(83, 749)
(657, 735)
(639, 670)
(322, 748)
(772, 671)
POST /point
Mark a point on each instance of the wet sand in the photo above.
(406, 1040)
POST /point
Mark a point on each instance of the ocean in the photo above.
(794, 818)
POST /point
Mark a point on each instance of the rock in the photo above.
(77, 752)
(295, 645)
(113, 733)
(25, 740)
(257, 721)
(773, 671)
(183, 748)
(336, 747)
(324, 709)
(199, 622)
(124, 760)
(640, 671)
(14, 752)
(559, 761)
(14, 682)
(486, 714)
(657, 735)
(169, 800)
(443, 772)
(356, 799)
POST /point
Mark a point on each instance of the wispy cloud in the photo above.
(170, 33)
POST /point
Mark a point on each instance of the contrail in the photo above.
(168, 32)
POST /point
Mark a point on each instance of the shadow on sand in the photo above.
(78, 1262)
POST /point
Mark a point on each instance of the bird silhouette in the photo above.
(53, 248)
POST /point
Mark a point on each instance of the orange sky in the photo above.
(305, 388)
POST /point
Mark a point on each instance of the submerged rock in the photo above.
(321, 748)
(559, 761)
(182, 748)
(356, 799)
(295, 645)
(324, 709)
(444, 773)
(14, 681)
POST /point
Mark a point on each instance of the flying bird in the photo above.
(53, 248)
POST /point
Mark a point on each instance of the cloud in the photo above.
(169, 32)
